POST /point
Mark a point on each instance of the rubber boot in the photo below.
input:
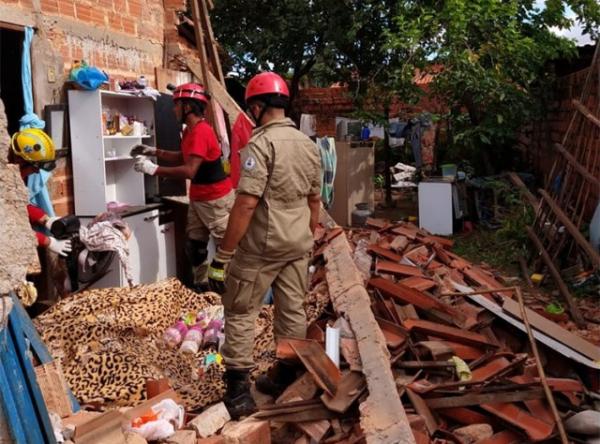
(238, 399)
(277, 379)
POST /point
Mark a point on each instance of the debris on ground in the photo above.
(431, 348)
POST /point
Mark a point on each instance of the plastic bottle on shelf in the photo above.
(192, 341)
(175, 334)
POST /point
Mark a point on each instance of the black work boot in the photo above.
(277, 379)
(238, 400)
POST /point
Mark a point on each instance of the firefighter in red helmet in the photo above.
(211, 193)
(268, 240)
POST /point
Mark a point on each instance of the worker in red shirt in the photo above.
(211, 192)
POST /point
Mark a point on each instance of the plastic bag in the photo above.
(87, 77)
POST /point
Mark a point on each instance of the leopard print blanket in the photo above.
(109, 342)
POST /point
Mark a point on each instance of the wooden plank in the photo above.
(9, 408)
(586, 112)
(350, 388)
(421, 284)
(218, 92)
(212, 43)
(408, 295)
(396, 268)
(572, 229)
(36, 343)
(516, 180)
(575, 313)
(576, 165)
(204, 62)
(384, 252)
(423, 409)
(321, 367)
(302, 388)
(475, 399)
(447, 332)
(554, 330)
(17, 384)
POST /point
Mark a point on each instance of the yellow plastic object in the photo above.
(462, 369)
(226, 166)
(27, 293)
(412, 219)
(33, 145)
(537, 278)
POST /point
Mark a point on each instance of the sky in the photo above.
(575, 32)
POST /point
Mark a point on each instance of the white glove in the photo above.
(143, 150)
(60, 247)
(145, 165)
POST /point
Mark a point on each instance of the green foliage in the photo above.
(494, 55)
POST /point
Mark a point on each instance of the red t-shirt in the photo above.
(201, 141)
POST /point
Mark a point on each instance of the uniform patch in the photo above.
(250, 163)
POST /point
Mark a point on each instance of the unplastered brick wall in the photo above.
(538, 138)
(125, 38)
(328, 103)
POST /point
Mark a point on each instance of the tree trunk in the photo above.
(388, 158)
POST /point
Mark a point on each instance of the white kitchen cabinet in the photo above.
(102, 167)
(151, 251)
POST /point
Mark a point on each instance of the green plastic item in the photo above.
(555, 308)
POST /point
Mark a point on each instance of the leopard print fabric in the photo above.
(109, 341)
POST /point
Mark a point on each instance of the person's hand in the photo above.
(60, 247)
(145, 165)
(142, 150)
(217, 270)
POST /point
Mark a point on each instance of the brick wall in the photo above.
(328, 103)
(538, 138)
(125, 38)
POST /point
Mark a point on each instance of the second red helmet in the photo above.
(266, 83)
(191, 91)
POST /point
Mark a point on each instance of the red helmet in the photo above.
(191, 91)
(267, 83)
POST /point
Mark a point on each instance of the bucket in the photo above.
(449, 170)
(361, 214)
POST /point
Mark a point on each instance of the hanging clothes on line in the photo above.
(328, 169)
(308, 124)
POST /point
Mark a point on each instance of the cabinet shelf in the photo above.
(112, 159)
(126, 137)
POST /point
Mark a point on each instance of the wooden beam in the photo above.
(218, 91)
(212, 43)
(586, 112)
(516, 180)
(572, 229)
(477, 399)
(576, 165)
(575, 313)
(540, 369)
(204, 62)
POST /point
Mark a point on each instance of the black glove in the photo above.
(216, 276)
(142, 150)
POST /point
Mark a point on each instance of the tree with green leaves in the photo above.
(495, 55)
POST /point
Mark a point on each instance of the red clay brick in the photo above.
(83, 12)
(97, 17)
(128, 25)
(49, 6)
(248, 431)
(66, 8)
(135, 8)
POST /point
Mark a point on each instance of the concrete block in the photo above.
(474, 433)
(183, 437)
(210, 420)
(248, 431)
(217, 439)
